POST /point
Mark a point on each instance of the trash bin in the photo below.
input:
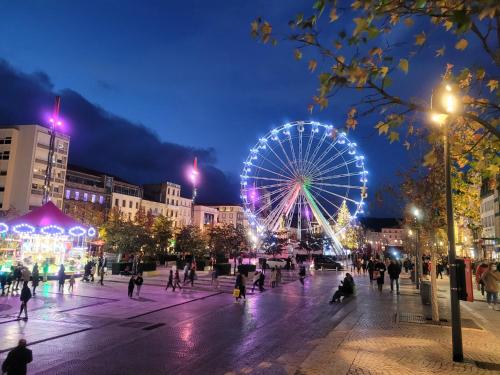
(425, 292)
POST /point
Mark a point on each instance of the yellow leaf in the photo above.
(403, 65)
(448, 25)
(409, 22)
(493, 169)
(255, 26)
(492, 84)
(480, 74)
(382, 127)
(407, 145)
(394, 19)
(393, 136)
(440, 52)
(420, 38)
(410, 130)
(383, 71)
(462, 44)
(351, 123)
(298, 54)
(312, 65)
(333, 15)
(310, 108)
(341, 59)
(430, 158)
(361, 24)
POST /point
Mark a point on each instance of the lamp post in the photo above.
(418, 260)
(445, 103)
(54, 122)
(194, 179)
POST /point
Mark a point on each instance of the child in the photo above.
(71, 283)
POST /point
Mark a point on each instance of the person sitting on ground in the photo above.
(346, 288)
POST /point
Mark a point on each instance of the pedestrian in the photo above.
(346, 288)
(186, 273)
(481, 268)
(371, 268)
(17, 360)
(192, 275)
(302, 274)
(177, 280)
(10, 278)
(239, 287)
(358, 266)
(440, 269)
(138, 282)
(379, 273)
(101, 274)
(255, 280)
(3, 282)
(394, 270)
(25, 297)
(35, 276)
(45, 269)
(363, 265)
(490, 279)
(262, 280)
(170, 282)
(92, 271)
(278, 276)
(215, 277)
(61, 276)
(17, 276)
(405, 265)
(273, 277)
(25, 275)
(131, 285)
(71, 283)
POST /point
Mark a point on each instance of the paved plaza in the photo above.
(287, 330)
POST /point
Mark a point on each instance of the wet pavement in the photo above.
(99, 330)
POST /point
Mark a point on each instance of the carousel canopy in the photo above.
(45, 216)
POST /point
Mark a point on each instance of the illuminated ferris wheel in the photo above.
(297, 177)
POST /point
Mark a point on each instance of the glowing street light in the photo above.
(194, 175)
(445, 105)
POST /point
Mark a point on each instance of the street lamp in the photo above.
(418, 261)
(445, 105)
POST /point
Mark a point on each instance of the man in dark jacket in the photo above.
(17, 359)
(25, 297)
(394, 270)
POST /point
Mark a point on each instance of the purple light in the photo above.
(23, 229)
(91, 232)
(307, 213)
(253, 195)
(77, 231)
(52, 230)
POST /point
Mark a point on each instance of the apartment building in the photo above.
(490, 219)
(24, 151)
(231, 215)
(205, 216)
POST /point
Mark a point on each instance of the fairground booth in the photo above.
(45, 234)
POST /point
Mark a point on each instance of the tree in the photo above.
(272, 243)
(162, 232)
(191, 240)
(345, 228)
(88, 213)
(359, 54)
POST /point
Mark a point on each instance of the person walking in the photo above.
(186, 273)
(255, 280)
(17, 276)
(25, 275)
(72, 281)
(25, 297)
(17, 360)
(177, 280)
(35, 276)
(379, 273)
(262, 279)
(3, 282)
(240, 286)
(302, 274)
(481, 268)
(101, 275)
(131, 285)
(273, 277)
(215, 278)
(138, 282)
(45, 270)
(440, 269)
(192, 275)
(170, 282)
(394, 270)
(9, 280)
(61, 276)
(490, 279)
(371, 268)
(278, 276)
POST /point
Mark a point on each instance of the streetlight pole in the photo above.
(446, 105)
(418, 260)
(456, 324)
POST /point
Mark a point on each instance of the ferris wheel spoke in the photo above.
(277, 212)
(330, 169)
(335, 194)
(279, 194)
(318, 167)
(285, 165)
(343, 175)
(300, 150)
(325, 152)
(293, 152)
(339, 185)
(272, 172)
(287, 158)
(308, 148)
(276, 166)
(318, 204)
(265, 187)
(317, 148)
(326, 200)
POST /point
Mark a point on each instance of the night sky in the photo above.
(146, 88)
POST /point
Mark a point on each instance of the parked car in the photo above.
(326, 262)
(276, 262)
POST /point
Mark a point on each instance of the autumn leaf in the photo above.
(298, 54)
(430, 158)
(440, 52)
(403, 65)
(480, 74)
(448, 25)
(310, 108)
(407, 145)
(312, 65)
(333, 15)
(461, 44)
(361, 25)
(493, 169)
(492, 84)
(409, 22)
(393, 136)
(382, 127)
(255, 26)
(420, 38)
(351, 123)
(383, 71)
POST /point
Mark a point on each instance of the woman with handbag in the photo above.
(379, 273)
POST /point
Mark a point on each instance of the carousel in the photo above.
(45, 236)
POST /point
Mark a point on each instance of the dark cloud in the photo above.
(103, 141)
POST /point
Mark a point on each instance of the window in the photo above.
(2, 188)
(92, 198)
(77, 195)
(130, 204)
(124, 204)
(168, 191)
(136, 205)
(117, 202)
(168, 201)
(56, 189)
(3, 173)
(101, 199)
(5, 155)
(68, 194)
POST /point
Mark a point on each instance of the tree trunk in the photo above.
(434, 291)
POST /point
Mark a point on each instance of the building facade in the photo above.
(24, 151)
(205, 216)
(490, 219)
(232, 215)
